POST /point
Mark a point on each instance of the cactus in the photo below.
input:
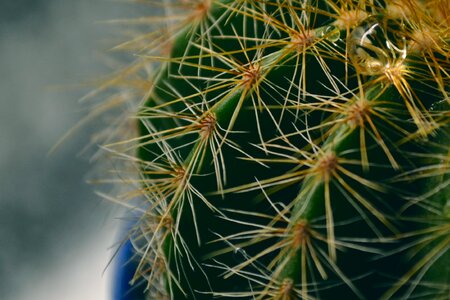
(293, 149)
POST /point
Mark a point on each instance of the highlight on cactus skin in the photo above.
(287, 149)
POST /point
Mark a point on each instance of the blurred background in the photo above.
(56, 235)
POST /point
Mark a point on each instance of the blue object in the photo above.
(125, 267)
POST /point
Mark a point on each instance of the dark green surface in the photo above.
(377, 222)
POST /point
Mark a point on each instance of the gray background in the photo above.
(55, 233)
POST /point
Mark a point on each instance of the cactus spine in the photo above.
(294, 149)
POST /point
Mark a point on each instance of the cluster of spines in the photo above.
(337, 96)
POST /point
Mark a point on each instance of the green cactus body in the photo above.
(297, 150)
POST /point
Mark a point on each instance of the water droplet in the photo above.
(330, 33)
(239, 255)
(373, 50)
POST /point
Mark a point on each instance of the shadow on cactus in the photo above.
(293, 149)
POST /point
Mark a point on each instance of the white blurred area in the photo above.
(77, 275)
(56, 235)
